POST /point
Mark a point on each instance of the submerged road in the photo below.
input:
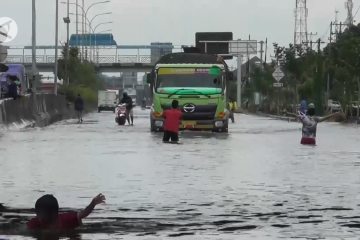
(257, 182)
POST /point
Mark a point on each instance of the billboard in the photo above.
(214, 48)
(243, 47)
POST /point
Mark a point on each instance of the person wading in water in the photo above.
(309, 122)
(79, 107)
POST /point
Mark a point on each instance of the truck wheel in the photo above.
(152, 127)
(99, 109)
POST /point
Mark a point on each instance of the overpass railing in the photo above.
(100, 59)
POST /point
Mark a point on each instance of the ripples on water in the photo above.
(257, 182)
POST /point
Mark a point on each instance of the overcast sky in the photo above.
(177, 21)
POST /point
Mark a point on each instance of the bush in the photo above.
(88, 95)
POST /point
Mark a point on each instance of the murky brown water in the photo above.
(257, 182)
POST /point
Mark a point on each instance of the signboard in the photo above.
(208, 71)
(243, 47)
(278, 84)
(214, 48)
(278, 74)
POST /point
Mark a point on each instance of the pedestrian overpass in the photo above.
(90, 48)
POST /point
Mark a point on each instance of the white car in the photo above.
(334, 106)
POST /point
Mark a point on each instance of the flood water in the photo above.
(257, 182)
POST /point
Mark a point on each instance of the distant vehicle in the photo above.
(106, 101)
(333, 106)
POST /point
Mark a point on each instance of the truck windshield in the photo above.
(189, 77)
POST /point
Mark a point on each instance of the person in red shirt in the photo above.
(172, 121)
(48, 216)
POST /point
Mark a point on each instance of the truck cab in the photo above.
(199, 83)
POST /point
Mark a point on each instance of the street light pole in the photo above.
(77, 36)
(84, 17)
(89, 9)
(94, 31)
(34, 70)
(82, 36)
(94, 52)
(68, 46)
(56, 47)
(239, 64)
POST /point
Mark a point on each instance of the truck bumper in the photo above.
(220, 124)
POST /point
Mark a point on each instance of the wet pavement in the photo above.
(257, 182)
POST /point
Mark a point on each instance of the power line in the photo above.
(322, 36)
(355, 14)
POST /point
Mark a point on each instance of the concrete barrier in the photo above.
(36, 110)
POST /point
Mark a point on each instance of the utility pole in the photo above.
(319, 42)
(34, 69)
(311, 39)
(317, 83)
(265, 51)
(82, 29)
(261, 54)
(239, 63)
(328, 77)
(77, 22)
(56, 47)
(68, 45)
(338, 29)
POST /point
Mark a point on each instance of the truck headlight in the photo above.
(219, 124)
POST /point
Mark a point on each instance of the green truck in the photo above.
(199, 82)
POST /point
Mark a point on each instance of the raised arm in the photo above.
(88, 210)
(290, 114)
(330, 116)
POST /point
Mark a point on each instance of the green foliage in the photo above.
(307, 72)
(82, 74)
(72, 91)
(82, 77)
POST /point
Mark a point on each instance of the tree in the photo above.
(81, 74)
(346, 57)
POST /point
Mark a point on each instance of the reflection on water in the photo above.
(257, 181)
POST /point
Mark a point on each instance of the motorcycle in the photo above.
(120, 118)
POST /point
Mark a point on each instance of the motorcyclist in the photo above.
(126, 99)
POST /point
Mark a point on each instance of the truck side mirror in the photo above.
(217, 81)
(149, 77)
